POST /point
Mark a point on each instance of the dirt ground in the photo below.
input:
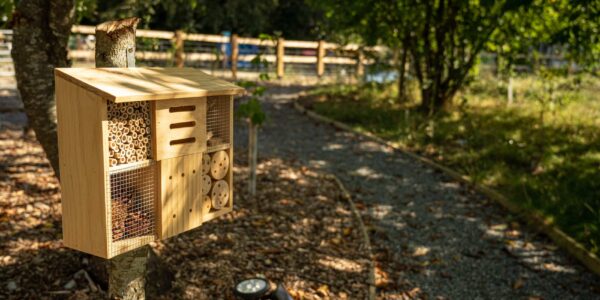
(297, 231)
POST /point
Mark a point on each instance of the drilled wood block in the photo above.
(219, 165)
(220, 194)
(181, 194)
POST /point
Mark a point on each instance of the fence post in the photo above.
(320, 56)
(360, 67)
(234, 55)
(178, 44)
(280, 54)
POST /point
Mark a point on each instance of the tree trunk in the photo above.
(128, 272)
(435, 98)
(41, 31)
(114, 41)
(402, 76)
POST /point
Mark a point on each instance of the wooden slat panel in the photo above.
(200, 56)
(180, 194)
(301, 44)
(142, 84)
(157, 34)
(257, 42)
(183, 133)
(209, 38)
(83, 29)
(82, 128)
(164, 135)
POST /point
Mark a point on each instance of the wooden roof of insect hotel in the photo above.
(143, 84)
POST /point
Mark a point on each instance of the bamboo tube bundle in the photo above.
(128, 132)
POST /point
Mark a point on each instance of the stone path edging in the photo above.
(534, 219)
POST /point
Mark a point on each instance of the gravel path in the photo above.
(441, 240)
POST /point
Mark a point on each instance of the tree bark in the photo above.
(138, 273)
(41, 31)
(114, 39)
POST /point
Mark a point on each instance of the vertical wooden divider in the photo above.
(360, 67)
(234, 55)
(320, 58)
(280, 55)
(179, 51)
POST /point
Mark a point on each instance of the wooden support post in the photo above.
(280, 55)
(320, 57)
(179, 51)
(252, 154)
(234, 55)
(127, 273)
(360, 67)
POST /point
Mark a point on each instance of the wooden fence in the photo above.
(323, 53)
(199, 50)
(6, 66)
(179, 48)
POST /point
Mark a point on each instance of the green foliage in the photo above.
(555, 89)
(292, 18)
(570, 27)
(6, 9)
(551, 166)
(444, 38)
(83, 9)
(251, 109)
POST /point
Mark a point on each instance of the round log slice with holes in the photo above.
(219, 165)
(220, 194)
(206, 183)
(206, 205)
(205, 163)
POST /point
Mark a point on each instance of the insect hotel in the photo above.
(145, 154)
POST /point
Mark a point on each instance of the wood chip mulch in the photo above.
(297, 231)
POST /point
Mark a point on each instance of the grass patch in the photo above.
(543, 155)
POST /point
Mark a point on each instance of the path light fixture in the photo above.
(260, 288)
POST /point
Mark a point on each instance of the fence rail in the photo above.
(227, 54)
(168, 48)
(226, 51)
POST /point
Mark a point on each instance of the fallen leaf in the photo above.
(519, 283)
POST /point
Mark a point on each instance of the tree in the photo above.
(293, 18)
(444, 38)
(41, 31)
(252, 111)
(569, 28)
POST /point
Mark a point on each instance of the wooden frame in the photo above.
(87, 195)
(82, 139)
